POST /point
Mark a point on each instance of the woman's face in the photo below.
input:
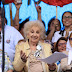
(62, 45)
(56, 24)
(67, 19)
(34, 34)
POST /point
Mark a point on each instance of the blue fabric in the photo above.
(58, 62)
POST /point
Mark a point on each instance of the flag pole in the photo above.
(56, 12)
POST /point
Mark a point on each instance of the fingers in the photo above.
(23, 56)
(15, 2)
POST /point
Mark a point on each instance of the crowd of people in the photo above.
(26, 42)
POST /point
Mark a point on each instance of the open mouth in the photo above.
(34, 38)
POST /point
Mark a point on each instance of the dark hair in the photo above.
(56, 47)
(22, 24)
(62, 31)
(51, 20)
(64, 13)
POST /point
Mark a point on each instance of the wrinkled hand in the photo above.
(16, 4)
(38, 8)
(23, 56)
(52, 66)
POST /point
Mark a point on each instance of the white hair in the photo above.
(28, 25)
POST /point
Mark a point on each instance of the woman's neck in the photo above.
(33, 45)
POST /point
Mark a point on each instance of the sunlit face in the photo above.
(62, 45)
(67, 19)
(56, 24)
(34, 34)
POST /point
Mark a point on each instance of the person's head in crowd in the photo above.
(1, 18)
(70, 39)
(67, 19)
(54, 23)
(61, 44)
(34, 30)
(21, 26)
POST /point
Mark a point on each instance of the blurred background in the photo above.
(28, 10)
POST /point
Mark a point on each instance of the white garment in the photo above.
(69, 57)
(12, 36)
(68, 47)
(0, 69)
(57, 35)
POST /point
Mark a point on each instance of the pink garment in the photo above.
(34, 64)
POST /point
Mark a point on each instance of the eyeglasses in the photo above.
(70, 38)
(60, 44)
(64, 17)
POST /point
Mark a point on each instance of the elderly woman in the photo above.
(27, 53)
(65, 64)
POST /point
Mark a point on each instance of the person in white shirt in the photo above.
(67, 21)
(11, 38)
(69, 43)
(64, 65)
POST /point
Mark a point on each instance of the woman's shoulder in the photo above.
(46, 45)
(66, 52)
(22, 41)
(21, 44)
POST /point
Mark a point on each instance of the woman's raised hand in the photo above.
(38, 8)
(23, 56)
